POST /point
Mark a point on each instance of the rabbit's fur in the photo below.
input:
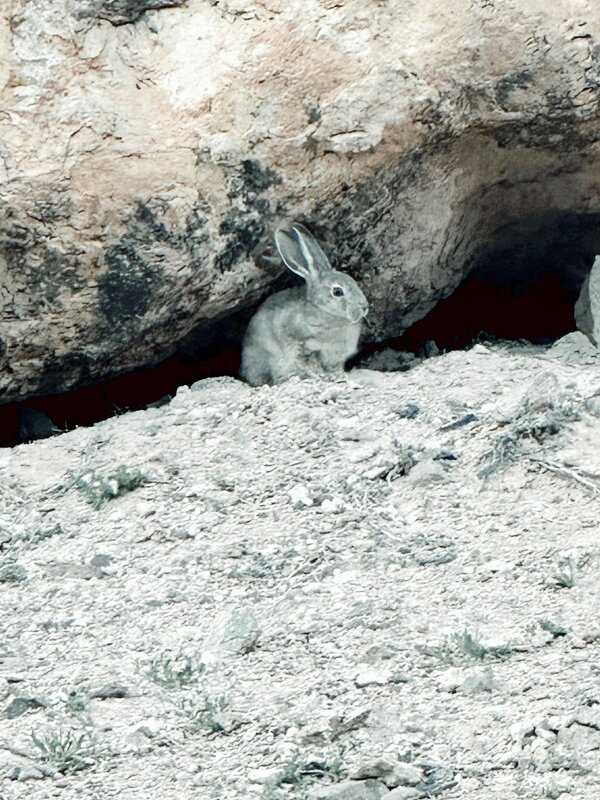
(308, 329)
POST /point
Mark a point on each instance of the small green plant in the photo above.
(470, 646)
(568, 572)
(66, 750)
(98, 488)
(174, 672)
(460, 646)
(206, 715)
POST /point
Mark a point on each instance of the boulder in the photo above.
(587, 307)
(148, 148)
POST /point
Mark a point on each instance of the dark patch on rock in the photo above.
(128, 286)
(41, 271)
(246, 223)
(244, 232)
(559, 129)
(257, 178)
(149, 219)
(121, 12)
(76, 365)
(147, 225)
(52, 208)
(516, 80)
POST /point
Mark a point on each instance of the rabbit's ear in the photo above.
(300, 251)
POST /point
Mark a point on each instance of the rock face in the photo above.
(149, 147)
(587, 307)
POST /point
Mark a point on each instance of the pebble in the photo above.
(265, 775)
(300, 497)
(234, 632)
(371, 677)
(477, 681)
(12, 573)
(21, 705)
(450, 679)
(350, 790)
(426, 472)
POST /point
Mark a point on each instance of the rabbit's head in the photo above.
(333, 292)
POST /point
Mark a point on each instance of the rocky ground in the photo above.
(384, 586)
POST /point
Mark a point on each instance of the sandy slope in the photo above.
(387, 580)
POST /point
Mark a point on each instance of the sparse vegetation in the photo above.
(98, 488)
(174, 672)
(205, 714)
(536, 421)
(377, 636)
(298, 769)
(463, 646)
(568, 572)
(66, 750)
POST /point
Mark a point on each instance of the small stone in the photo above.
(332, 506)
(409, 411)
(478, 681)
(350, 790)
(101, 560)
(150, 728)
(352, 722)
(392, 773)
(399, 677)
(580, 738)
(426, 472)
(12, 573)
(181, 533)
(234, 632)
(15, 767)
(21, 705)
(407, 775)
(68, 569)
(371, 677)
(450, 679)
(300, 497)
(574, 348)
(265, 775)
(589, 715)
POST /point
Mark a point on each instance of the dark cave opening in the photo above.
(130, 391)
(522, 285)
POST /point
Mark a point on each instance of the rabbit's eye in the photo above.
(337, 291)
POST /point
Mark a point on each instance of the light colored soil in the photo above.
(367, 588)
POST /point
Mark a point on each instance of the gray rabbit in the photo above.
(309, 329)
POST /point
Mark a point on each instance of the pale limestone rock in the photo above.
(149, 147)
